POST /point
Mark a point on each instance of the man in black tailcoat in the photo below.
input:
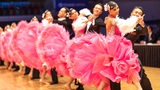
(140, 29)
(95, 21)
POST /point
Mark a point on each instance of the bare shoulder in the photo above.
(108, 20)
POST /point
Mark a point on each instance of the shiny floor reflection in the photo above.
(15, 81)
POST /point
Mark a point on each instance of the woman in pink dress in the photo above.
(6, 46)
(125, 62)
(47, 19)
(9, 51)
(27, 33)
(1, 49)
(78, 25)
(50, 45)
(94, 59)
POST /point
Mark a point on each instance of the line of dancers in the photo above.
(89, 57)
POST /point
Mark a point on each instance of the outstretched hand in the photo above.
(141, 21)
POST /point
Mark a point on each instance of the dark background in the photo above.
(16, 10)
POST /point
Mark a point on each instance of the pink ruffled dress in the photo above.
(8, 39)
(94, 58)
(78, 27)
(6, 52)
(83, 56)
(25, 43)
(50, 45)
(2, 42)
(14, 55)
(124, 61)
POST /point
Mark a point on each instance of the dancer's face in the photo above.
(73, 14)
(97, 10)
(137, 12)
(115, 11)
(62, 13)
(48, 14)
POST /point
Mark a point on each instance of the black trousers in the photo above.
(15, 66)
(115, 86)
(1, 62)
(35, 74)
(80, 85)
(145, 82)
(54, 75)
(27, 70)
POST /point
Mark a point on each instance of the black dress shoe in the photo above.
(1, 63)
(80, 87)
(16, 69)
(25, 73)
(35, 78)
(52, 83)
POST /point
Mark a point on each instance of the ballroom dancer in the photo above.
(94, 25)
(115, 27)
(95, 22)
(140, 29)
(32, 72)
(47, 19)
(78, 25)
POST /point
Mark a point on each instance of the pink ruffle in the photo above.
(18, 55)
(82, 55)
(93, 58)
(2, 46)
(8, 38)
(50, 45)
(6, 53)
(25, 45)
(125, 62)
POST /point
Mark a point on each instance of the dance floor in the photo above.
(10, 80)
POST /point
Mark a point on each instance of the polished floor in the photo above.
(10, 80)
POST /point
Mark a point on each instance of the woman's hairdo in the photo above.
(67, 10)
(70, 11)
(44, 14)
(110, 5)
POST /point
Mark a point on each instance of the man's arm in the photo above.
(100, 22)
(141, 30)
(141, 27)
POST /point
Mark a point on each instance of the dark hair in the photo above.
(44, 14)
(70, 11)
(112, 4)
(139, 7)
(100, 4)
(67, 10)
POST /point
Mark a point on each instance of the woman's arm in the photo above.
(109, 25)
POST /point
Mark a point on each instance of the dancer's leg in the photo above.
(43, 74)
(68, 84)
(136, 82)
(101, 86)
